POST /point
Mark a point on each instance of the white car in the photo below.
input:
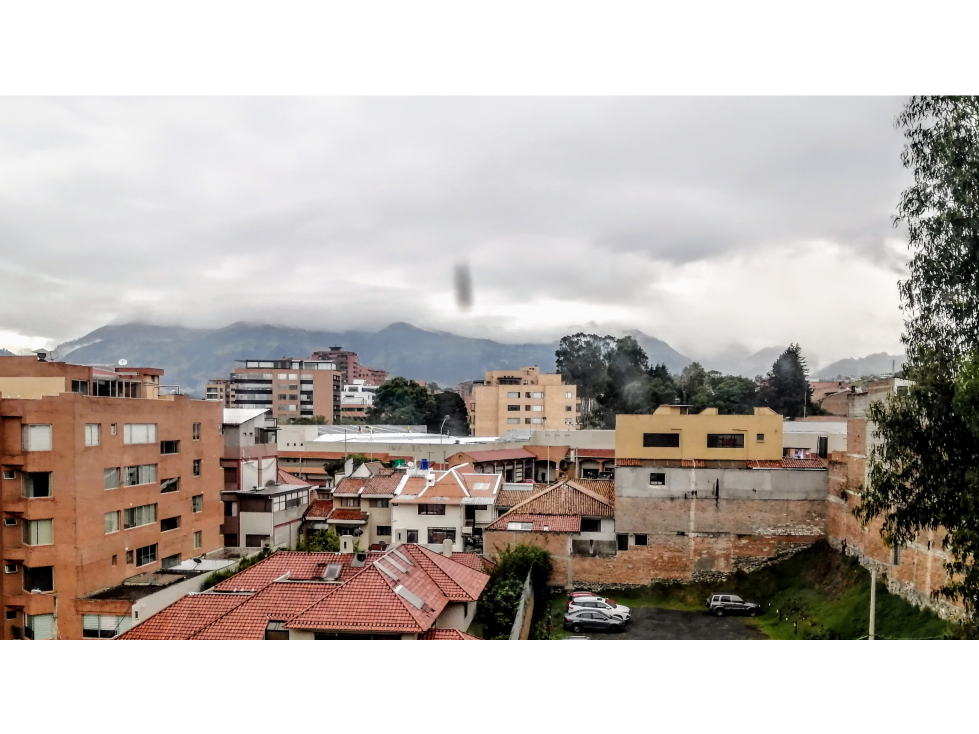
(598, 602)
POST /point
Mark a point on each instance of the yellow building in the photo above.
(672, 433)
(524, 398)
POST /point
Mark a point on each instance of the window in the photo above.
(37, 484)
(138, 516)
(146, 554)
(640, 539)
(112, 429)
(111, 388)
(657, 479)
(230, 508)
(37, 437)
(512, 395)
(759, 436)
(412, 536)
(129, 558)
(10, 614)
(622, 542)
(511, 421)
(111, 522)
(535, 395)
(535, 420)
(256, 541)
(569, 421)
(439, 535)
(569, 396)
(197, 503)
(110, 478)
(139, 433)
(142, 474)
(725, 440)
(10, 568)
(9, 474)
(93, 434)
(169, 447)
(350, 502)
(511, 408)
(537, 408)
(40, 578)
(104, 626)
(196, 432)
(378, 503)
(431, 510)
(520, 526)
(80, 386)
(170, 561)
(197, 539)
(197, 467)
(169, 485)
(568, 408)
(591, 525)
(282, 397)
(661, 440)
(384, 530)
(38, 532)
(169, 523)
(9, 522)
(39, 626)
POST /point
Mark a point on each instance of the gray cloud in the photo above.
(350, 213)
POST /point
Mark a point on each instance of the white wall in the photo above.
(406, 517)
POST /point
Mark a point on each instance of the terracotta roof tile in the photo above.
(602, 487)
(786, 464)
(510, 497)
(567, 497)
(596, 453)
(278, 601)
(350, 486)
(552, 523)
(299, 566)
(383, 484)
(458, 581)
(447, 634)
(475, 561)
(319, 508)
(185, 617)
(347, 514)
(285, 477)
(627, 462)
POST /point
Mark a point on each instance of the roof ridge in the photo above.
(584, 490)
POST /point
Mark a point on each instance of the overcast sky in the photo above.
(705, 222)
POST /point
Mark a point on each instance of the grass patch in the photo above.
(816, 594)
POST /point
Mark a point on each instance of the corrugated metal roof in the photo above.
(237, 416)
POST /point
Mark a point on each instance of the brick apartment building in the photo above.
(349, 365)
(524, 398)
(291, 388)
(103, 480)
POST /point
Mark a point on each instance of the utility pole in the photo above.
(873, 602)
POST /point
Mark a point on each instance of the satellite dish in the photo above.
(411, 465)
(123, 362)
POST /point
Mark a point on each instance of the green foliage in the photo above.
(320, 541)
(786, 389)
(923, 474)
(226, 573)
(499, 601)
(400, 401)
(450, 405)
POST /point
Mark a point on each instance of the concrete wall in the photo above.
(739, 484)
(456, 616)
(405, 517)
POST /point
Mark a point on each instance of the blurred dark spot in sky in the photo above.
(464, 286)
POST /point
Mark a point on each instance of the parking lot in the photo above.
(650, 623)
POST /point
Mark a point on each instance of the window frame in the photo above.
(34, 440)
(118, 522)
(150, 550)
(653, 483)
(90, 429)
(196, 504)
(428, 505)
(139, 432)
(659, 440)
(720, 440)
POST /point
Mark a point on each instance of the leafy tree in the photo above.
(786, 389)
(498, 604)
(582, 360)
(923, 473)
(320, 541)
(734, 395)
(316, 420)
(400, 401)
(450, 405)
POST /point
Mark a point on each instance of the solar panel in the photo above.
(387, 571)
(402, 556)
(408, 596)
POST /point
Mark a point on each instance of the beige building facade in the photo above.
(522, 399)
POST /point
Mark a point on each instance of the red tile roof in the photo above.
(567, 497)
(345, 514)
(447, 634)
(285, 477)
(786, 464)
(383, 484)
(627, 462)
(510, 497)
(319, 508)
(596, 453)
(458, 581)
(277, 601)
(475, 561)
(350, 486)
(497, 455)
(185, 617)
(552, 523)
(299, 566)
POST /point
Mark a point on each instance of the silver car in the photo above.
(600, 603)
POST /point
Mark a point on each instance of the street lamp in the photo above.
(441, 427)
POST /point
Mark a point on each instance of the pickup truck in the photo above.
(721, 604)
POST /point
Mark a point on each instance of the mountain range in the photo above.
(192, 356)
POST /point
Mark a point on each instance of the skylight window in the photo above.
(408, 596)
(481, 485)
(332, 572)
(520, 526)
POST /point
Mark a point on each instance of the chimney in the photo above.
(346, 544)
(447, 548)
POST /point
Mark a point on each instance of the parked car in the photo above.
(605, 605)
(721, 604)
(593, 619)
(582, 594)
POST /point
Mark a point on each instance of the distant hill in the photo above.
(190, 357)
(5, 353)
(873, 364)
(659, 352)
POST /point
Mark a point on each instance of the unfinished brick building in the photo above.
(104, 479)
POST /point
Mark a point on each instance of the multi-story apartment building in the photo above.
(103, 480)
(292, 388)
(524, 398)
(349, 364)
(357, 399)
(220, 390)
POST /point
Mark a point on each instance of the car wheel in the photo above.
(719, 612)
(753, 613)
(576, 628)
